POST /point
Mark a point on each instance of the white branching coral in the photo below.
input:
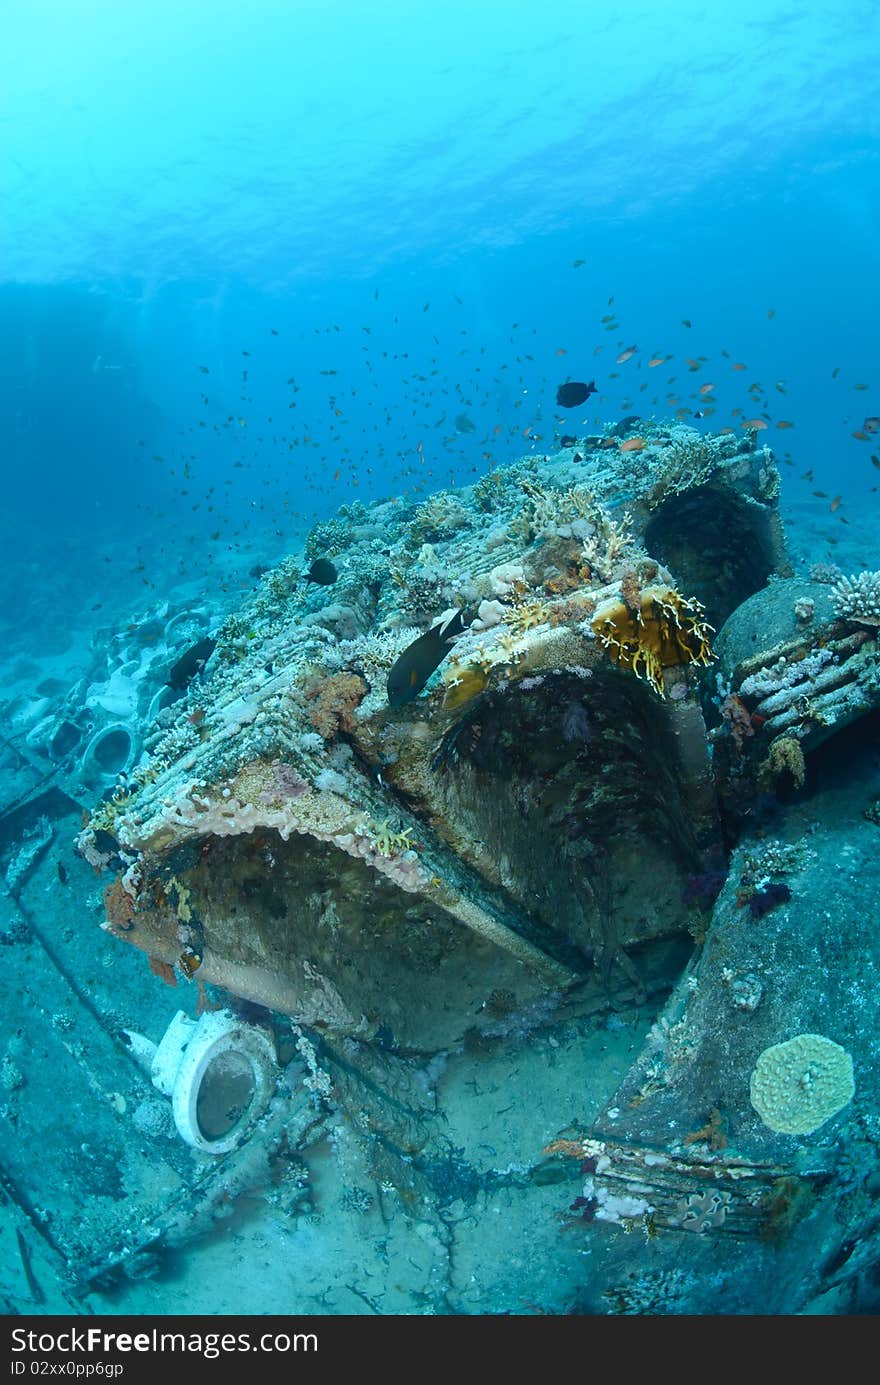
(548, 510)
(609, 541)
(372, 655)
(441, 516)
(858, 598)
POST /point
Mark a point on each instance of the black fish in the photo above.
(625, 426)
(190, 663)
(574, 393)
(106, 842)
(62, 872)
(323, 572)
(419, 660)
(567, 440)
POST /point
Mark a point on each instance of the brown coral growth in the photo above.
(572, 1149)
(119, 907)
(712, 1133)
(164, 970)
(631, 590)
(570, 612)
(335, 701)
(737, 719)
(786, 757)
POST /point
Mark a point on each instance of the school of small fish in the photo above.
(464, 430)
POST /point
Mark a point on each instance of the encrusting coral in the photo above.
(800, 1084)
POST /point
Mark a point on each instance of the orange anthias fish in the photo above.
(784, 423)
(633, 445)
(626, 355)
(835, 504)
(753, 423)
(656, 360)
(706, 389)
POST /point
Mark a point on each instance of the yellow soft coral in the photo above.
(664, 631)
(463, 684)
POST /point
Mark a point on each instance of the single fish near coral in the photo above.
(573, 393)
(191, 662)
(633, 445)
(323, 572)
(409, 674)
(754, 423)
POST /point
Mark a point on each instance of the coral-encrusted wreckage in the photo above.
(566, 815)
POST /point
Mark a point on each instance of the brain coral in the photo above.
(799, 1085)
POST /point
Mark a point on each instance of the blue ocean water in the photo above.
(260, 261)
(401, 192)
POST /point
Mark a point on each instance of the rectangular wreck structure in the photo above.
(519, 820)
